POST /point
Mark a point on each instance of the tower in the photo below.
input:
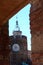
(18, 46)
(17, 31)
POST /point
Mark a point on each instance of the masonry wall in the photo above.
(36, 18)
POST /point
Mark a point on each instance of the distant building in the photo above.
(18, 46)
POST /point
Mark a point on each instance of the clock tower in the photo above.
(18, 46)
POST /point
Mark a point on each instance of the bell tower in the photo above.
(18, 46)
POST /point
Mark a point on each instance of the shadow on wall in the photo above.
(24, 62)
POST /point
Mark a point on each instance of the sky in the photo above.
(24, 23)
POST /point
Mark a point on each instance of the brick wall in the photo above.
(36, 18)
(23, 47)
(37, 58)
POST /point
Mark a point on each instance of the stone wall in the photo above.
(36, 18)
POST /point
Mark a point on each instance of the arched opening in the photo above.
(36, 31)
(24, 23)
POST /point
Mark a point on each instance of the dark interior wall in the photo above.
(4, 42)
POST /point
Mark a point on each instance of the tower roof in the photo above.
(17, 31)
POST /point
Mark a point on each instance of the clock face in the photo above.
(15, 47)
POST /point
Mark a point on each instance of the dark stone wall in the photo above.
(4, 42)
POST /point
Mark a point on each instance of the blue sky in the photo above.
(24, 23)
